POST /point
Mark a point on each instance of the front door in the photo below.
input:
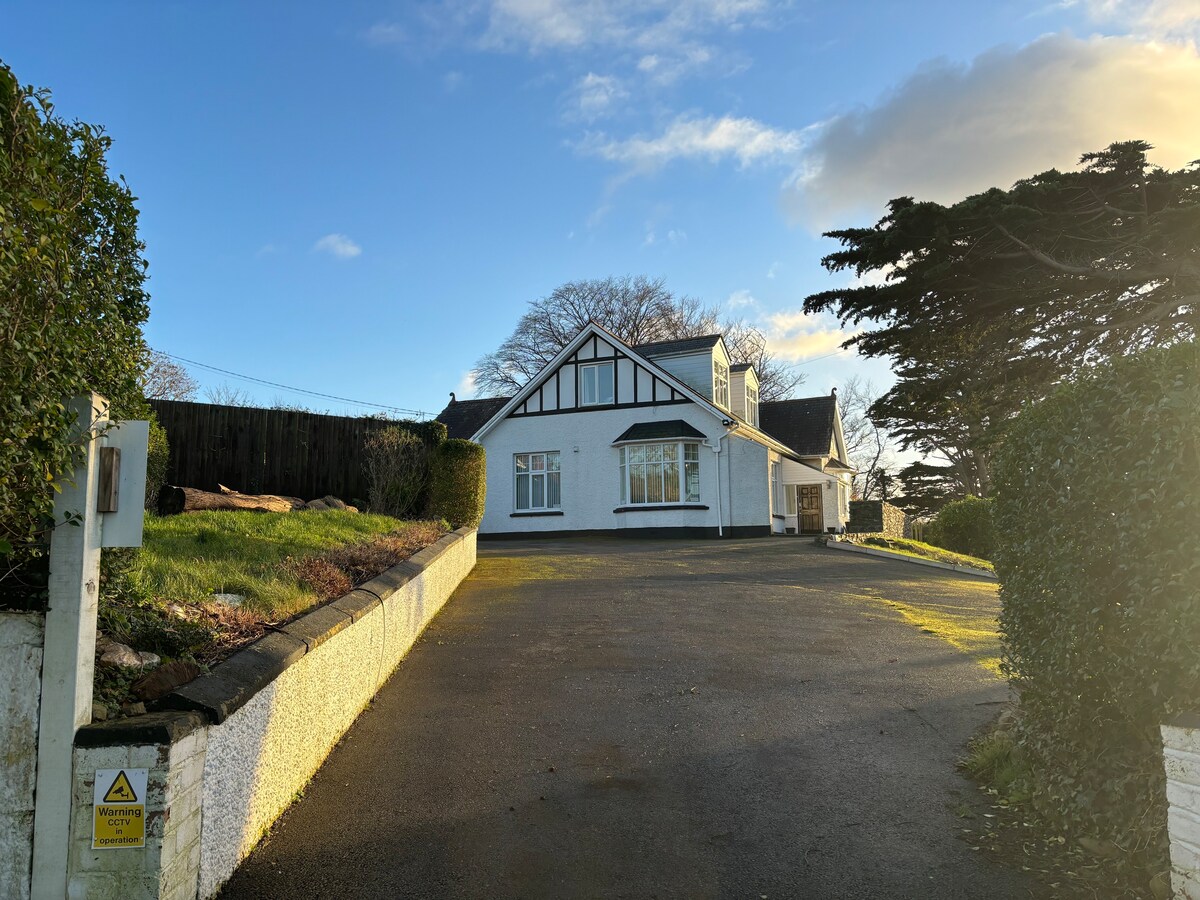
(811, 519)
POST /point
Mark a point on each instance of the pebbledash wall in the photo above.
(21, 640)
(1181, 755)
(238, 743)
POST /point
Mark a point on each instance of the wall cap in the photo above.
(153, 728)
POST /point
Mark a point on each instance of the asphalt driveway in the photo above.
(607, 718)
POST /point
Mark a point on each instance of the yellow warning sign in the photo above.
(121, 790)
(119, 809)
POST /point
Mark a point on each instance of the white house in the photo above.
(657, 439)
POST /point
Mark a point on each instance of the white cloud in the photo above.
(797, 336)
(741, 300)
(338, 245)
(711, 139)
(676, 236)
(594, 96)
(466, 387)
(952, 130)
(383, 33)
(774, 270)
(267, 250)
(1159, 18)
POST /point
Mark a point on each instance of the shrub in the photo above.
(1097, 512)
(71, 279)
(964, 526)
(397, 466)
(156, 461)
(459, 484)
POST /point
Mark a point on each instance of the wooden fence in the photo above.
(268, 451)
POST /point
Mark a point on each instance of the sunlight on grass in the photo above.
(188, 558)
(921, 550)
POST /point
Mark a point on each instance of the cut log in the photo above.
(172, 500)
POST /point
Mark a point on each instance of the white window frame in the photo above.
(687, 461)
(777, 506)
(720, 384)
(589, 368)
(524, 481)
(752, 405)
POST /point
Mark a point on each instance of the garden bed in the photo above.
(204, 585)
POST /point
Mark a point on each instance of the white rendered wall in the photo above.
(590, 478)
(1181, 755)
(21, 638)
(795, 473)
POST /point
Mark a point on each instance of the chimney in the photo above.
(452, 397)
(832, 394)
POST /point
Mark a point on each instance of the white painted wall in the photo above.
(21, 636)
(590, 474)
(835, 514)
(1181, 756)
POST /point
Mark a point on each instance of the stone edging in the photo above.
(212, 698)
(901, 557)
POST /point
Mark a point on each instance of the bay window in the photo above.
(653, 474)
(537, 481)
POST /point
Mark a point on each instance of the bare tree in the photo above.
(869, 446)
(227, 395)
(166, 379)
(638, 311)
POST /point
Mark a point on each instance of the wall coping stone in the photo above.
(167, 727)
(214, 697)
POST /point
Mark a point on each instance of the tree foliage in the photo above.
(868, 444)
(964, 526)
(458, 487)
(1097, 511)
(990, 301)
(72, 300)
(638, 311)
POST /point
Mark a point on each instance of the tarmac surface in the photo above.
(660, 719)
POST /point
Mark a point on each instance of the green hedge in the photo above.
(964, 526)
(157, 457)
(1097, 520)
(458, 483)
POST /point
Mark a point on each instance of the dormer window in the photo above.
(596, 384)
(752, 406)
(720, 384)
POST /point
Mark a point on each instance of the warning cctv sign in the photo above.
(119, 809)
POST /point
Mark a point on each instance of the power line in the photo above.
(287, 387)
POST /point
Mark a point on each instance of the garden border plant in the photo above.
(1097, 511)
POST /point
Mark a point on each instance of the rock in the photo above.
(317, 505)
(229, 599)
(103, 642)
(133, 709)
(149, 660)
(164, 679)
(99, 711)
(120, 656)
(330, 502)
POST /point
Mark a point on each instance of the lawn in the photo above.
(160, 598)
(908, 547)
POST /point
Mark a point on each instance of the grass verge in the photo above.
(921, 550)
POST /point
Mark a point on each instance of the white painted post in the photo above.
(67, 667)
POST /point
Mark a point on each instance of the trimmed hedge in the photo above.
(157, 457)
(964, 526)
(458, 483)
(1097, 518)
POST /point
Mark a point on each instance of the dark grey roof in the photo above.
(740, 367)
(659, 431)
(463, 418)
(804, 425)
(684, 345)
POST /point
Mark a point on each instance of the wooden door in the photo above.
(811, 519)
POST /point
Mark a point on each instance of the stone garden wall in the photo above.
(877, 517)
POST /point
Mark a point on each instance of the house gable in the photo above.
(636, 382)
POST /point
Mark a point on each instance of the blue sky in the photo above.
(360, 198)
